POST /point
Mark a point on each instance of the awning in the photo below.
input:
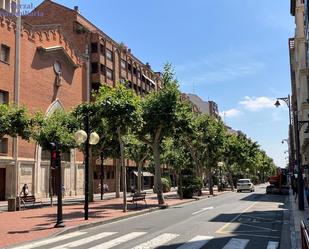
(144, 173)
(151, 81)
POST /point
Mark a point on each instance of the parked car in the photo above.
(245, 184)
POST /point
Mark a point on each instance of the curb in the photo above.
(150, 210)
(103, 222)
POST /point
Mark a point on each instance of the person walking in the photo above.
(295, 189)
(24, 190)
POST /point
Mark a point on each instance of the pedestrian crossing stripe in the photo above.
(50, 241)
(236, 244)
(158, 241)
(196, 243)
(273, 245)
(118, 241)
(84, 240)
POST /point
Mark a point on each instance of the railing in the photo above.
(304, 236)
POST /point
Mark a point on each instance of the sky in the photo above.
(233, 52)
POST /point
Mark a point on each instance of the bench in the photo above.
(29, 199)
(138, 197)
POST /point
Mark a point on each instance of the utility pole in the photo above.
(17, 86)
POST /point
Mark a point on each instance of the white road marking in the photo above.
(221, 230)
(236, 244)
(273, 245)
(118, 241)
(196, 242)
(158, 241)
(49, 241)
(202, 210)
(84, 240)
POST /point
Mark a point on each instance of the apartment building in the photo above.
(208, 107)
(55, 72)
(298, 50)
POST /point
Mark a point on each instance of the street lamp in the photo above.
(87, 138)
(297, 127)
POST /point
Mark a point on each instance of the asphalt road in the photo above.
(229, 221)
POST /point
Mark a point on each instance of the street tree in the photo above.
(120, 107)
(58, 128)
(15, 121)
(206, 144)
(139, 152)
(162, 117)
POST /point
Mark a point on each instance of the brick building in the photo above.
(58, 39)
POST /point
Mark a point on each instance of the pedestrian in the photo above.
(24, 190)
(295, 189)
(307, 193)
(62, 190)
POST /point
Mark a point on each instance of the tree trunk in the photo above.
(124, 172)
(158, 182)
(117, 176)
(139, 176)
(180, 186)
(211, 190)
(230, 179)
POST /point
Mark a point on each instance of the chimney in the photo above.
(76, 9)
(148, 65)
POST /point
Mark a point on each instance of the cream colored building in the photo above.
(298, 47)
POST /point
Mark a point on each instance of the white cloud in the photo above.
(230, 113)
(219, 67)
(257, 103)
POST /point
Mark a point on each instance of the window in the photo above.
(102, 49)
(109, 54)
(94, 47)
(123, 64)
(5, 53)
(94, 67)
(102, 69)
(134, 70)
(129, 67)
(4, 146)
(109, 73)
(95, 86)
(4, 97)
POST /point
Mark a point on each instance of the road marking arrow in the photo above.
(202, 210)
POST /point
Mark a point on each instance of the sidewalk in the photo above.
(295, 218)
(31, 224)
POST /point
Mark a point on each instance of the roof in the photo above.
(202, 105)
(95, 28)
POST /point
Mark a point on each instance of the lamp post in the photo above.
(290, 140)
(56, 161)
(87, 138)
(297, 127)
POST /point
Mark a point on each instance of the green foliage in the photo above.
(120, 107)
(135, 149)
(192, 185)
(166, 185)
(14, 121)
(59, 127)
